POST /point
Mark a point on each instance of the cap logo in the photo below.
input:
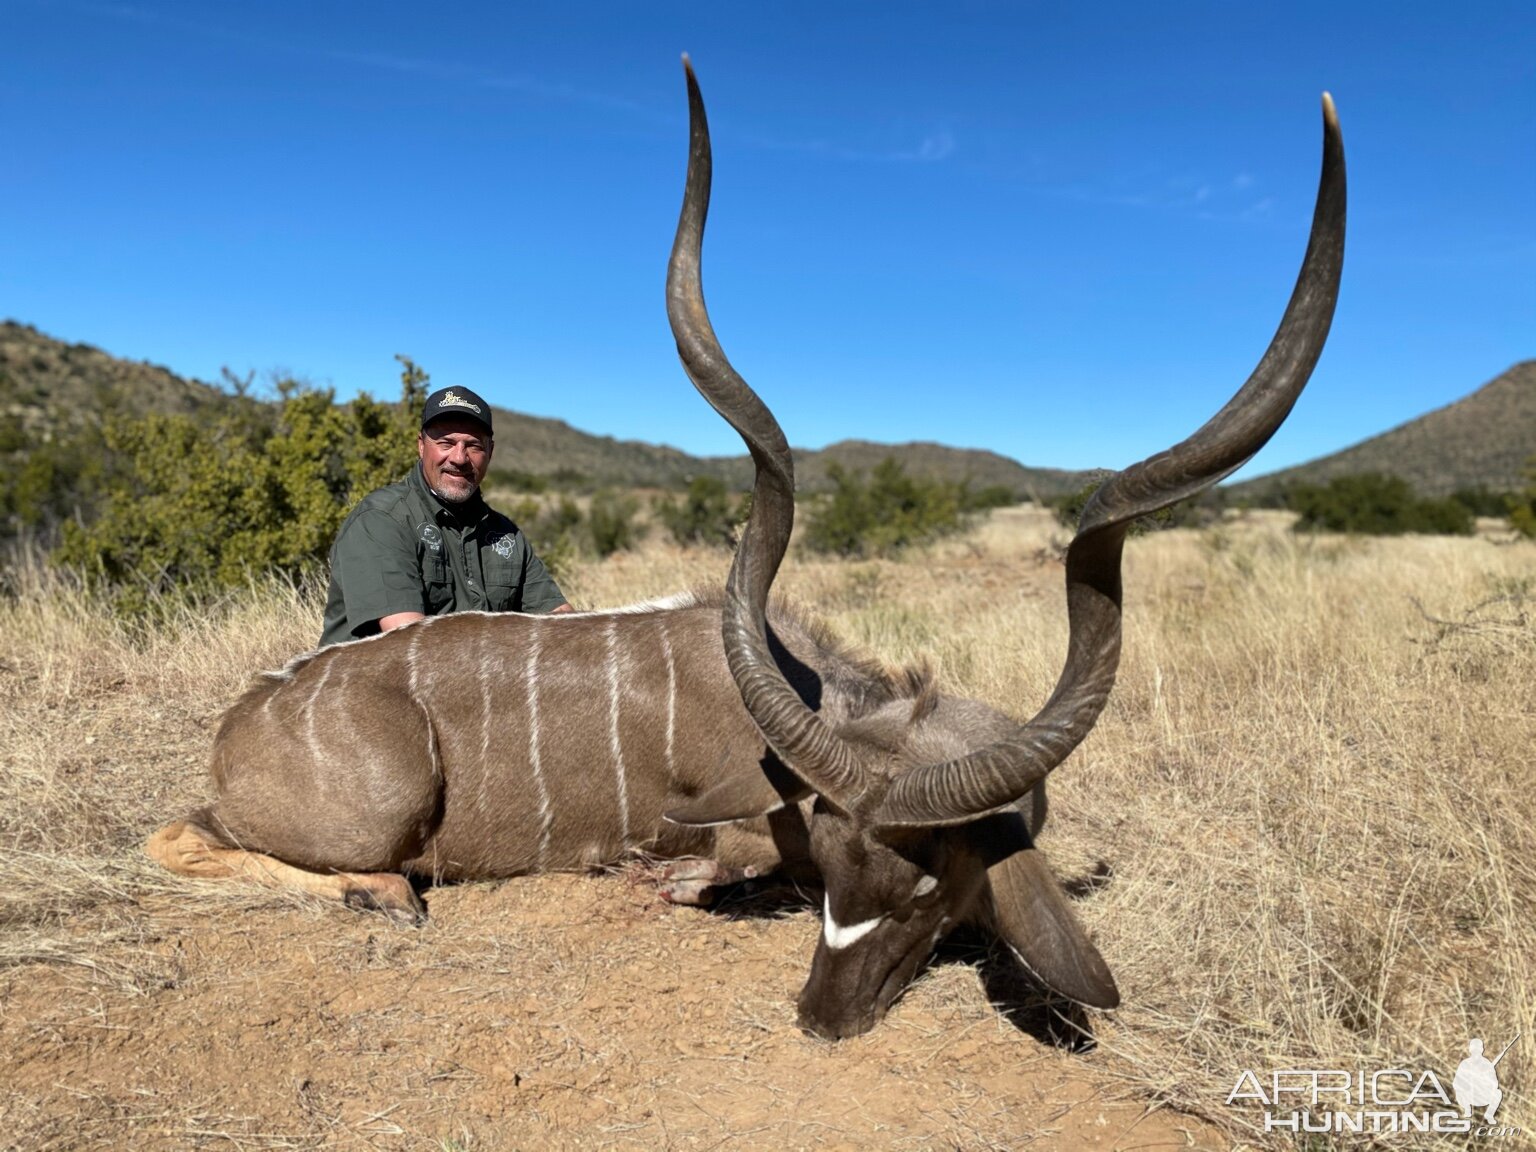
(453, 399)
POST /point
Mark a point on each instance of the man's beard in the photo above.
(455, 497)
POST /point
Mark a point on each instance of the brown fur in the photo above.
(413, 752)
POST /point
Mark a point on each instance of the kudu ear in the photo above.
(741, 796)
(1032, 916)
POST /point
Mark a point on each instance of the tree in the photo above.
(706, 514)
(201, 502)
(884, 514)
(1522, 504)
(1375, 505)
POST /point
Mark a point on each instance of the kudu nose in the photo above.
(841, 1029)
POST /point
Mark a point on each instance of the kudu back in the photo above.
(476, 746)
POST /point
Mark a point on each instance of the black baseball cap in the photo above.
(457, 402)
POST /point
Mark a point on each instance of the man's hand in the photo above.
(562, 608)
(395, 619)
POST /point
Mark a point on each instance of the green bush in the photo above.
(199, 503)
(611, 522)
(706, 514)
(987, 498)
(885, 513)
(517, 479)
(1482, 501)
(1375, 505)
(554, 531)
(1521, 506)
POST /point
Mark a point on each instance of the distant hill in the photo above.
(47, 385)
(546, 447)
(983, 469)
(1482, 440)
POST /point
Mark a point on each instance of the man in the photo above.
(430, 544)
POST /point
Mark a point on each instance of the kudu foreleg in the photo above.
(190, 849)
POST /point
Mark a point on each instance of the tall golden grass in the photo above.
(1312, 789)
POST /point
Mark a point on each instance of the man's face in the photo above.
(455, 454)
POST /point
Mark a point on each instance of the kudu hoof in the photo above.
(697, 883)
(393, 896)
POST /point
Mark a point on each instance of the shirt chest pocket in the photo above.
(502, 577)
(437, 582)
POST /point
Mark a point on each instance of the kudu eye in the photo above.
(926, 890)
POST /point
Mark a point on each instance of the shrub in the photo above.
(517, 479)
(554, 531)
(705, 515)
(51, 483)
(1482, 501)
(202, 502)
(884, 514)
(1375, 505)
(1521, 506)
(987, 498)
(611, 523)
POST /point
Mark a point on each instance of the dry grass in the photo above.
(1312, 786)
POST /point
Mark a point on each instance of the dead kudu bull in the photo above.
(474, 745)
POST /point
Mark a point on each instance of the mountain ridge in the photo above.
(1484, 439)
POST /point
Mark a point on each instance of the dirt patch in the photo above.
(556, 1011)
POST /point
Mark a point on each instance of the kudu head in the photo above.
(918, 823)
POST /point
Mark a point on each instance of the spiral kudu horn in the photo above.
(795, 732)
(996, 776)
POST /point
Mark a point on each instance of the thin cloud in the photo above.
(931, 149)
(440, 71)
(1231, 200)
(1258, 210)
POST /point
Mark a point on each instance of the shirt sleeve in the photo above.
(375, 563)
(540, 593)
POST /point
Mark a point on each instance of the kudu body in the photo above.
(469, 746)
(482, 745)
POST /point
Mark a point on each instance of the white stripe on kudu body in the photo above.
(666, 651)
(546, 817)
(839, 937)
(485, 721)
(310, 736)
(410, 660)
(611, 633)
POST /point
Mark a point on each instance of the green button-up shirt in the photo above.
(404, 550)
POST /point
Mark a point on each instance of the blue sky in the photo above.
(1061, 231)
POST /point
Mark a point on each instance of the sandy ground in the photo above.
(556, 1011)
(142, 1010)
